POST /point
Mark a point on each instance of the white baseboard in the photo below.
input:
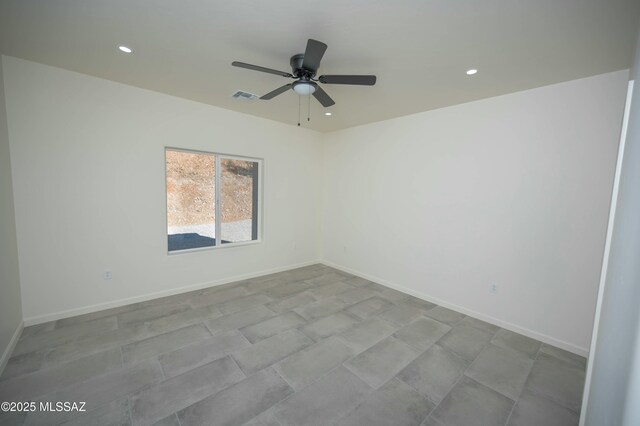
(495, 321)
(10, 347)
(143, 298)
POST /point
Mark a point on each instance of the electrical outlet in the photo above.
(107, 275)
(493, 288)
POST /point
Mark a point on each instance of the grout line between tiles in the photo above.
(130, 409)
(523, 386)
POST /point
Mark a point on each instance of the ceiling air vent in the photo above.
(244, 96)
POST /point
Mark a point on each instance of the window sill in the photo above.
(222, 246)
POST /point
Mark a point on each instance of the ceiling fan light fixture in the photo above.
(125, 49)
(472, 71)
(304, 88)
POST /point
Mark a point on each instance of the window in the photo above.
(212, 199)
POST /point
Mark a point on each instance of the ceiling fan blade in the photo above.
(322, 97)
(261, 69)
(276, 92)
(360, 80)
(313, 55)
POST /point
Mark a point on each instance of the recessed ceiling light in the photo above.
(471, 71)
(125, 49)
(327, 113)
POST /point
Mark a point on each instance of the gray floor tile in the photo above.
(163, 343)
(171, 420)
(394, 404)
(150, 313)
(358, 281)
(43, 381)
(12, 418)
(272, 326)
(177, 393)
(378, 364)
(112, 312)
(557, 380)
(99, 390)
(434, 372)
(309, 364)
(465, 341)
(324, 401)
(445, 315)
(324, 279)
(328, 326)
(329, 290)
(23, 364)
(345, 275)
(379, 287)
(320, 309)
(422, 333)
(369, 307)
(300, 274)
(401, 314)
(356, 295)
(510, 340)
(96, 343)
(243, 303)
(239, 403)
(476, 323)
(239, 319)
(351, 319)
(33, 330)
(503, 370)
(58, 337)
(393, 296)
(363, 335)
(420, 303)
(271, 350)
(534, 410)
(260, 285)
(561, 354)
(217, 297)
(115, 413)
(285, 290)
(470, 403)
(182, 319)
(292, 302)
(307, 272)
(264, 419)
(200, 353)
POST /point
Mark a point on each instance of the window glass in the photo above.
(239, 200)
(212, 199)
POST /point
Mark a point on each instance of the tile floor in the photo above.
(311, 346)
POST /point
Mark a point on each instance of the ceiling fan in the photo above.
(304, 67)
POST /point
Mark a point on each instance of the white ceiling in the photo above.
(419, 49)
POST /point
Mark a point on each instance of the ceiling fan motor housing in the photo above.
(296, 67)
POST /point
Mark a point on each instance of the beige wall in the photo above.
(512, 190)
(612, 388)
(10, 304)
(88, 176)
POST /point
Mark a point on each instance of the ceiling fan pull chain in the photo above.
(309, 108)
(298, 111)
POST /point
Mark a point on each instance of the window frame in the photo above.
(218, 156)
